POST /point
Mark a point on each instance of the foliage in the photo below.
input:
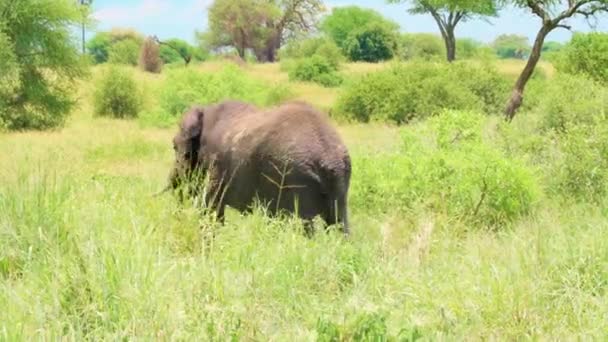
(260, 26)
(99, 47)
(184, 87)
(344, 20)
(421, 89)
(117, 94)
(582, 170)
(373, 42)
(39, 63)
(449, 13)
(586, 54)
(424, 46)
(566, 101)
(467, 48)
(321, 46)
(149, 57)
(172, 50)
(511, 46)
(316, 69)
(124, 52)
(446, 165)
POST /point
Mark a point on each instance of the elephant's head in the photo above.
(187, 144)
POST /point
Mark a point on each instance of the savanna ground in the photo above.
(87, 252)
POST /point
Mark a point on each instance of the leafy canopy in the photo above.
(466, 8)
(39, 62)
(345, 20)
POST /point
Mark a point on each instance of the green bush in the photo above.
(171, 51)
(186, 86)
(567, 101)
(425, 46)
(467, 48)
(315, 69)
(99, 47)
(447, 167)
(323, 47)
(421, 89)
(124, 52)
(586, 53)
(117, 94)
(373, 43)
(582, 169)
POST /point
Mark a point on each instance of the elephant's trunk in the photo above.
(172, 183)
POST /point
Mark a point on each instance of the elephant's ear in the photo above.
(192, 124)
(191, 129)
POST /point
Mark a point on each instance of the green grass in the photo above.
(86, 252)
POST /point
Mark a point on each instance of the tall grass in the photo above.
(87, 253)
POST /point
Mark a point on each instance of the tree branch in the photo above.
(186, 58)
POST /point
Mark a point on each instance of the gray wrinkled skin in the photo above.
(289, 157)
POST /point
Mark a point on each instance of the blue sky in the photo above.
(180, 18)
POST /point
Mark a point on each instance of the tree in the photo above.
(99, 47)
(260, 25)
(511, 46)
(37, 47)
(373, 42)
(149, 56)
(449, 13)
(85, 7)
(173, 50)
(553, 14)
(344, 20)
(586, 54)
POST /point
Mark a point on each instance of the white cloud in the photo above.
(122, 15)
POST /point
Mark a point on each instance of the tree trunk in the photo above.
(450, 44)
(517, 96)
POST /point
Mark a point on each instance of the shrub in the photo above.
(149, 58)
(313, 46)
(99, 47)
(421, 89)
(315, 69)
(511, 46)
(446, 166)
(586, 53)
(373, 42)
(124, 52)
(117, 94)
(567, 101)
(467, 48)
(424, 46)
(184, 87)
(171, 51)
(582, 170)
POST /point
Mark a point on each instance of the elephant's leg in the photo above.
(336, 212)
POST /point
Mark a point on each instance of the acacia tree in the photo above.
(260, 25)
(449, 13)
(39, 62)
(554, 14)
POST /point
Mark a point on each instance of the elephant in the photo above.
(287, 157)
